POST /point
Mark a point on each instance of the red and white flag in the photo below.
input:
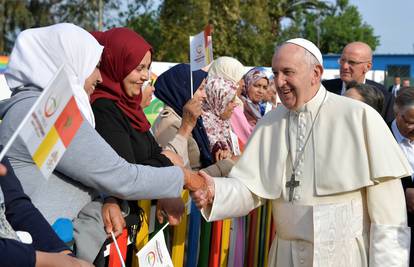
(51, 124)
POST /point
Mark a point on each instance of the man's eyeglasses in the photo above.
(352, 63)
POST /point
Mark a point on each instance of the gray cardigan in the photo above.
(88, 166)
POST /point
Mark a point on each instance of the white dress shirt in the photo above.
(395, 89)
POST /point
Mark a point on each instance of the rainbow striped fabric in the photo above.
(3, 63)
(51, 124)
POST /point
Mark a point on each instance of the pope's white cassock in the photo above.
(349, 207)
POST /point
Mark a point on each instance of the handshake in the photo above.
(201, 186)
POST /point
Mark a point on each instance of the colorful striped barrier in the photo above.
(179, 237)
(3, 63)
(225, 242)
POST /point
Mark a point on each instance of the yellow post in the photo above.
(179, 236)
(225, 242)
(268, 228)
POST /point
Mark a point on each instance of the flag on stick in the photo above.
(155, 252)
(50, 125)
(201, 52)
(201, 49)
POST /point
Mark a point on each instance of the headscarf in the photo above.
(250, 78)
(124, 51)
(38, 53)
(173, 88)
(220, 92)
(228, 68)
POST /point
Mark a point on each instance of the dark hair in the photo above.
(370, 94)
(405, 98)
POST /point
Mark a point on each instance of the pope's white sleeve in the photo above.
(389, 234)
(232, 199)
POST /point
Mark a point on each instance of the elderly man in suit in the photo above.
(355, 62)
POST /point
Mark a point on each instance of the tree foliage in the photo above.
(17, 15)
(333, 28)
(246, 29)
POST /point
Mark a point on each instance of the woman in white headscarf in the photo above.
(89, 166)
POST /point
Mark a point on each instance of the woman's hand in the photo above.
(171, 208)
(3, 170)
(409, 198)
(191, 111)
(112, 217)
(193, 181)
(223, 154)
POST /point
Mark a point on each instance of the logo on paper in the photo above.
(50, 106)
(151, 258)
(199, 49)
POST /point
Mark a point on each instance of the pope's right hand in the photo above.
(204, 197)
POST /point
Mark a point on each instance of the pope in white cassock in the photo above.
(331, 167)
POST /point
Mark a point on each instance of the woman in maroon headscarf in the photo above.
(116, 102)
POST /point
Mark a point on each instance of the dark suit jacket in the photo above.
(335, 86)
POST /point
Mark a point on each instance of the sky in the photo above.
(392, 20)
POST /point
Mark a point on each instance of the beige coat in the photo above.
(349, 208)
(165, 130)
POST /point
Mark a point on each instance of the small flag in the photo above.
(51, 124)
(155, 252)
(201, 49)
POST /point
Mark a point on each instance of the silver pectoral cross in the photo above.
(291, 184)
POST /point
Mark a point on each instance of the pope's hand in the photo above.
(204, 197)
(193, 181)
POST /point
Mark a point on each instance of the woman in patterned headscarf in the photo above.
(218, 108)
(223, 82)
(256, 83)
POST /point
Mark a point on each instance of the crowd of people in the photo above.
(330, 165)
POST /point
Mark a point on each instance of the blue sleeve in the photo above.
(14, 253)
(24, 216)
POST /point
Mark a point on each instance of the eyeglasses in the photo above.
(352, 63)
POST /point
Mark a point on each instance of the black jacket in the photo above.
(335, 86)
